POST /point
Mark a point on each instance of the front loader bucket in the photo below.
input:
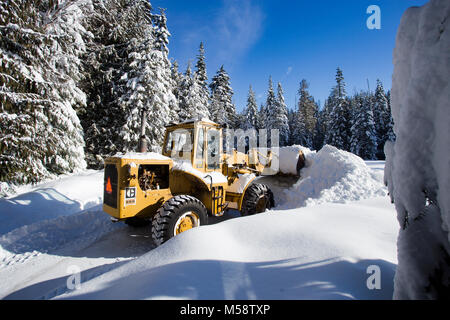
(283, 161)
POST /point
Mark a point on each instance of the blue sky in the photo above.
(288, 40)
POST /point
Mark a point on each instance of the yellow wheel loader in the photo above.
(176, 191)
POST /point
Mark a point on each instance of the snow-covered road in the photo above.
(321, 251)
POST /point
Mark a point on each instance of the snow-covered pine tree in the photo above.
(363, 140)
(200, 72)
(261, 118)
(381, 118)
(269, 109)
(222, 108)
(201, 85)
(319, 130)
(192, 103)
(250, 114)
(305, 122)
(339, 129)
(149, 83)
(39, 73)
(113, 25)
(177, 79)
(291, 119)
(278, 117)
(389, 121)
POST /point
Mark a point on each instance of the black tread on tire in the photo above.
(164, 221)
(252, 195)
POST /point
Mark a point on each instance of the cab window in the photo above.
(200, 148)
(179, 144)
(213, 148)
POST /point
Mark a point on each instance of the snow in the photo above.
(238, 186)
(310, 253)
(314, 252)
(186, 166)
(49, 200)
(418, 166)
(332, 175)
(142, 156)
(284, 159)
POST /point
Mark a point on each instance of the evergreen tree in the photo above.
(115, 26)
(177, 79)
(39, 73)
(389, 121)
(364, 141)
(305, 122)
(261, 118)
(201, 86)
(200, 72)
(250, 115)
(279, 118)
(338, 132)
(149, 87)
(269, 109)
(222, 108)
(319, 130)
(381, 117)
(192, 102)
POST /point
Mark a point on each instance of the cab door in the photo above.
(213, 163)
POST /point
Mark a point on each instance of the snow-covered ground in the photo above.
(302, 249)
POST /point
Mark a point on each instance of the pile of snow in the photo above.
(50, 235)
(332, 175)
(65, 196)
(418, 163)
(322, 252)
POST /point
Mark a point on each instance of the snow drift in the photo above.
(332, 175)
(321, 252)
(61, 197)
(418, 163)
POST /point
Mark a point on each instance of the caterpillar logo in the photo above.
(130, 196)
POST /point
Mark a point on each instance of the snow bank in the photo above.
(321, 252)
(50, 235)
(332, 175)
(61, 197)
(418, 164)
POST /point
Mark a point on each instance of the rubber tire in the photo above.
(163, 223)
(251, 197)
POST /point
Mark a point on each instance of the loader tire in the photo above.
(257, 198)
(177, 215)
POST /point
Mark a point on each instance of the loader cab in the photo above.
(199, 142)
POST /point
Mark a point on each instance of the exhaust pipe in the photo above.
(142, 145)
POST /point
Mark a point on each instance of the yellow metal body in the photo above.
(215, 194)
(146, 202)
